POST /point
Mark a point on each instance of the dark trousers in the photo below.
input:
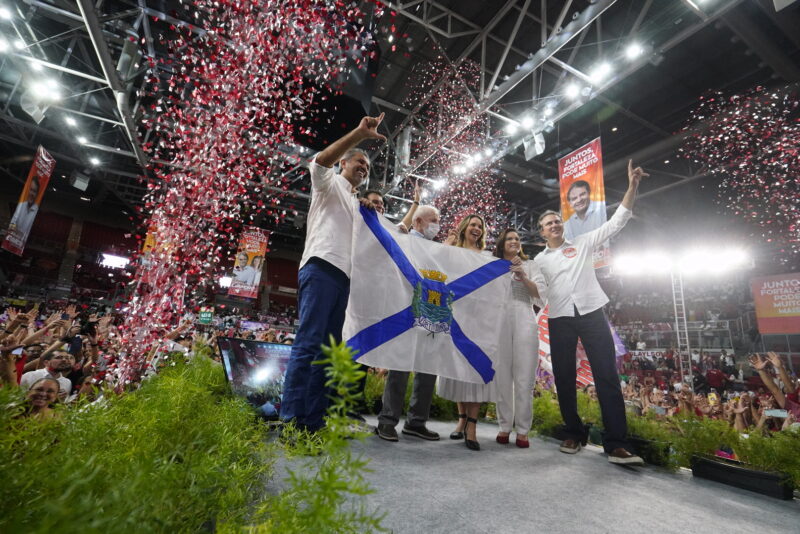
(594, 333)
(322, 299)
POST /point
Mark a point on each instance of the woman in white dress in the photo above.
(471, 235)
(519, 355)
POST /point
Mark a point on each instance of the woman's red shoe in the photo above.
(523, 443)
(501, 439)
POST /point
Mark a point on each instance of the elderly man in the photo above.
(57, 364)
(425, 225)
(576, 301)
(324, 276)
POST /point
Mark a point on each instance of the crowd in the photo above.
(768, 402)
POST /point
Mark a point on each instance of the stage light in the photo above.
(3, 45)
(391, 38)
(225, 281)
(458, 169)
(70, 121)
(489, 152)
(527, 122)
(94, 161)
(628, 264)
(511, 128)
(633, 51)
(600, 73)
(548, 110)
(477, 157)
(614, 129)
(86, 199)
(19, 44)
(82, 140)
(405, 209)
(438, 184)
(36, 67)
(572, 91)
(112, 261)
(657, 262)
(263, 374)
(5, 13)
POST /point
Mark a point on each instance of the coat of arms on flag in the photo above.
(417, 305)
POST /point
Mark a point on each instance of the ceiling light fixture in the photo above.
(573, 90)
(633, 51)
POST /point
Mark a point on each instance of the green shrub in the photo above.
(776, 452)
(177, 455)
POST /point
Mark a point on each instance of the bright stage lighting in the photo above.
(458, 169)
(225, 281)
(633, 51)
(600, 73)
(3, 45)
(5, 13)
(511, 128)
(19, 44)
(488, 152)
(82, 140)
(70, 121)
(94, 161)
(527, 122)
(438, 184)
(112, 261)
(573, 90)
(548, 110)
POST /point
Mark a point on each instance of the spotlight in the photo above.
(633, 51)
(225, 281)
(511, 128)
(573, 90)
(477, 157)
(70, 121)
(438, 184)
(527, 122)
(19, 44)
(82, 140)
(86, 199)
(614, 129)
(600, 72)
(94, 161)
(36, 67)
(5, 13)
(548, 110)
(3, 45)
(488, 152)
(458, 169)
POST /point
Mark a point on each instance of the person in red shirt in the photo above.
(716, 378)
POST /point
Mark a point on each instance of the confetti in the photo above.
(751, 140)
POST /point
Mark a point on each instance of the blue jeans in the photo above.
(322, 299)
(593, 331)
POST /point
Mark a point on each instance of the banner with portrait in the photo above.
(583, 196)
(777, 302)
(249, 262)
(29, 202)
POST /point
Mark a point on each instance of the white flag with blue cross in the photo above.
(418, 305)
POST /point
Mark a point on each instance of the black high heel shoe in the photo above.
(459, 435)
(471, 445)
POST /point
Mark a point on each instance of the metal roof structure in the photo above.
(659, 56)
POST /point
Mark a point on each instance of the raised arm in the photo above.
(760, 365)
(634, 177)
(367, 129)
(408, 220)
(777, 363)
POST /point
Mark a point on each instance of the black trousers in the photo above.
(594, 333)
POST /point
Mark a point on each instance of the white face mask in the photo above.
(431, 231)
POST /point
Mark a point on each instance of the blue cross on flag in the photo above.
(417, 305)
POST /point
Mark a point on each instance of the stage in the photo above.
(442, 486)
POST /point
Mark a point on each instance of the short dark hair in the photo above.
(580, 183)
(369, 192)
(543, 215)
(500, 244)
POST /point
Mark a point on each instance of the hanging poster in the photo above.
(29, 202)
(583, 196)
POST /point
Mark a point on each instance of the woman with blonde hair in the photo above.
(471, 235)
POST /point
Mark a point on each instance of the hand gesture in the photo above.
(368, 127)
(71, 310)
(417, 191)
(775, 359)
(519, 272)
(12, 313)
(452, 237)
(758, 363)
(635, 175)
(366, 203)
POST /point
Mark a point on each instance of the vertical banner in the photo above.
(29, 202)
(583, 195)
(777, 301)
(246, 275)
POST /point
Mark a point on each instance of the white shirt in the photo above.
(245, 275)
(329, 227)
(567, 276)
(30, 378)
(595, 217)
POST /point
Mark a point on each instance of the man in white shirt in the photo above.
(589, 215)
(25, 214)
(56, 364)
(324, 276)
(568, 282)
(426, 226)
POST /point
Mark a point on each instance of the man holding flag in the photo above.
(576, 303)
(324, 276)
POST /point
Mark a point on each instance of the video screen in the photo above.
(255, 370)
